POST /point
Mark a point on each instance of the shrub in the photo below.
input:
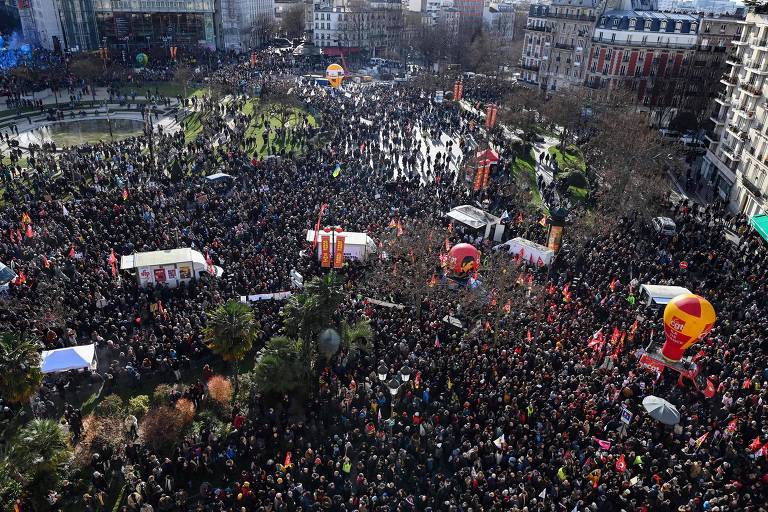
(220, 390)
(162, 394)
(138, 405)
(161, 429)
(110, 405)
(186, 410)
(99, 432)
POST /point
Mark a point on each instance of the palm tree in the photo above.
(20, 374)
(231, 331)
(356, 338)
(281, 369)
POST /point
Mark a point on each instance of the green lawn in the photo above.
(578, 193)
(525, 169)
(571, 159)
(169, 89)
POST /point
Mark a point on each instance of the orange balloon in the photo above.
(335, 74)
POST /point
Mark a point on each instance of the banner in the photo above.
(486, 174)
(338, 257)
(325, 251)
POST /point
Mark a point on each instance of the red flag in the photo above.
(125, 194)
(25, 219)
(615, 335)
(755, 444)
(732, 425)
(507, 307)
(529, 336)
(112, 260)
(605, 445)
(323, 206)
(698, 355)
(30, 233)
(621, 464)
(399, 228)
(701, 440)
(287, 461)
(567, 293)
(613, 283)
(487, 325)
(417, 380)
(209, 262)
(519, 219)
(18, 235)
(71, 251)
(447, 245)
(710, 390)
(433, 280)
(392, 223)
(597, 340)
(543, 221)
(450, 227)
(540, 262)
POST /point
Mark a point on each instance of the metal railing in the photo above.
(642, 44)
(565, 46)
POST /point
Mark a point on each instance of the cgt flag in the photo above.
(338, 255)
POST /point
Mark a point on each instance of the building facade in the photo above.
(736, 162)
(130, 26)
(557, 39)
(368, 26)
(243, 24)
(41, 24)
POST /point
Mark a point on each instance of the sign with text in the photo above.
(338, 256)
(325, 251)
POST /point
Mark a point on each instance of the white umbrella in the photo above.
(661, 410)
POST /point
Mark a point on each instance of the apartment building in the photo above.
(557, 38)
(736, 162)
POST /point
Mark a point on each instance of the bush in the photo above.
(110, 405)
(162, 394)
(161, 429)
(138, 405)
(573, 179)
(220, 390)
(186, 410)
(578, 194)
(99, 432)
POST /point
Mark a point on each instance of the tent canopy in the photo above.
(218, 176)
(472, 216)
(663, 294)
(488, 154)
(69, 358)
(760, 223)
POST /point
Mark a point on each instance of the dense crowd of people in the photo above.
(515, 411)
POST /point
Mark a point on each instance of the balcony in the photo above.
(751, 187)
(738, 132)
(752, 89)
(530, 67)
(564, 46)
(718, 120)
(729, 152)
(640, 44)
(734, 60)
(729, 80)
(592, 84)
(739, 42)
(759, 69)
(760, 45)
(577, 17)
(539, 28)
(723, 99)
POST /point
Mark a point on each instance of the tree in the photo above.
(263, 28)
(20, 375)
(356, 337)
(565, 109)
(281, 368)
(88, 69)
(38, 458)
(181, 75)
(231, 331)
(519, 110)
(292, 21)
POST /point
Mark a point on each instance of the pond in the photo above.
(83, 131)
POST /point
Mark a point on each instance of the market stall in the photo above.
(170, 267)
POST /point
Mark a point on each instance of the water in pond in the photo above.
(83, 131)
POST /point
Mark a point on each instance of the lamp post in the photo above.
(382, 371)
(393, 386)
(405, 373)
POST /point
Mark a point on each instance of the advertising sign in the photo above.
(325, 251)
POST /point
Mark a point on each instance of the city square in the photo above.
(376, 256)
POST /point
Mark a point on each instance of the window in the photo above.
(678, 26)
(707, 28)
(613, 38)
(663, 25)
(623, 70)
(632, 23)
(615, 22)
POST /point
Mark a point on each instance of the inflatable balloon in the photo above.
(142, 59)
(462, 260)
(335, 74)
(687, 319)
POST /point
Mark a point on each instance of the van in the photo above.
(664, 226)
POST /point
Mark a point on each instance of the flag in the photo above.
(46, 264)
(287, 462)
(731, 428)
(638, 461)
(323, 206)
(543, 221)
(450, 228)
(701, 440)
(112, 260)
(633, 330)
(519, 219)
(19, 238)
(487, 325)
(561, 474)
(25, 219)
(529, 336)
(30, 233)
(605, 445)
(433, 280)
(507, 307)
(540, 262)
(621, 464)
(500, 441)
(567, 293)
(597, 340)
(64, 210)
(437, 341)
(125, 194)
(337, 171)
(615, 335)
(209, 263)
(613, 284)
(543, 494)
(755, 444)
(399, 228)
(71, 251)
(698, 355)
(392, 223)
(417, 380)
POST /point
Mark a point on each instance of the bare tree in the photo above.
(292, 21)
(181, 76)
(262, 29)
(88, 69)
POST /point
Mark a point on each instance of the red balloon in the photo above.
(463, 259)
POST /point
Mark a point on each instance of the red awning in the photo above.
(338, 52)
(488, 154)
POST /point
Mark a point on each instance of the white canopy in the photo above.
(472, 216)
(218, 176)
(69, 358)
(663, 294)
(168, 257)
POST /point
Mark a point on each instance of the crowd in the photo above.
(516, 412)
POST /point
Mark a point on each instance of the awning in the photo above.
(760, 223)
(488, 154)
(69, 358)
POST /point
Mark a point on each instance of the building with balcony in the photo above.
(557, 39)
(372, 26)
(736, 162)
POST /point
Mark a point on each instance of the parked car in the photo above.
(664, 226)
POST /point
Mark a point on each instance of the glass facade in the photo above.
(135, 30)
(77, 17)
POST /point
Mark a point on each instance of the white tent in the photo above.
(69, 358)
(169, 267)
(487, 224)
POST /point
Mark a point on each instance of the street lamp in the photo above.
(405, 373)
(394, 386)
(382, 371)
